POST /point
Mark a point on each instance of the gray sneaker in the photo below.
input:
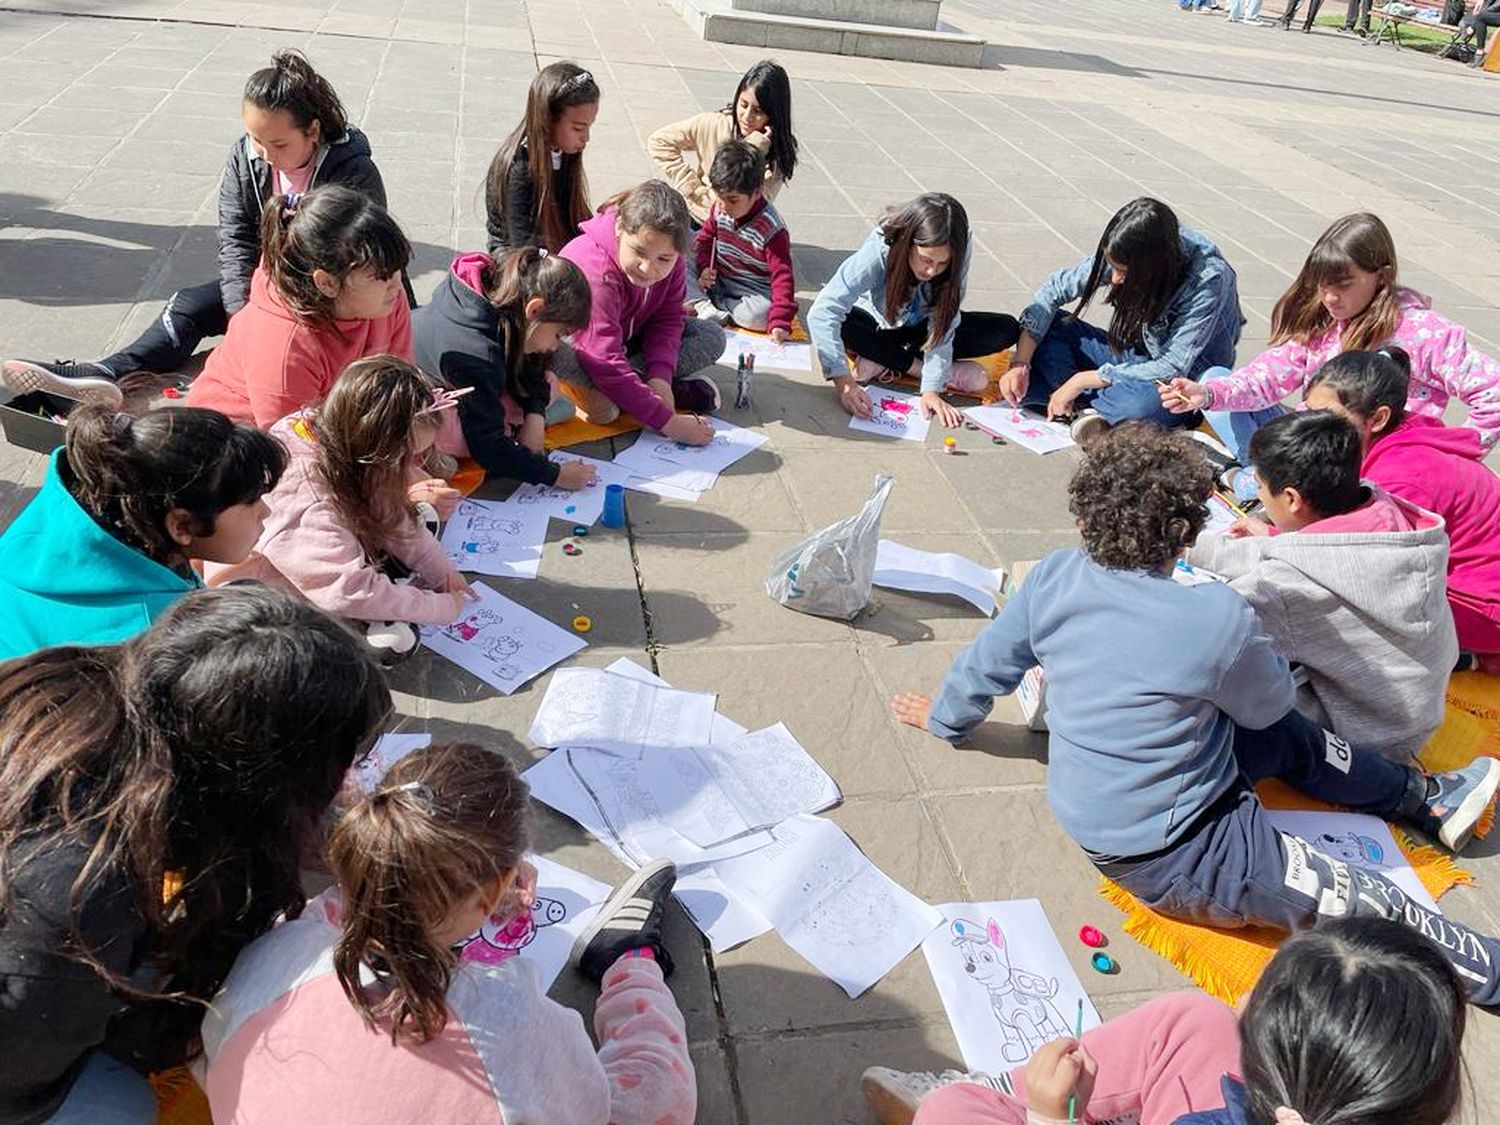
(1455, 802)
(81, 382)
(895, 1094)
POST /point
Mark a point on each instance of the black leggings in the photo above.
(978, 333)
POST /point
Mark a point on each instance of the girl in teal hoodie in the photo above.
(104, 547)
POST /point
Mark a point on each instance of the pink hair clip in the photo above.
(445, 398)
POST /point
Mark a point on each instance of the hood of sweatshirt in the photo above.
(460, 297)
(596, 251)
(1416, 434)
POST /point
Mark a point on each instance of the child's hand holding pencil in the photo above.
(1060, 1080)
(1180, 395)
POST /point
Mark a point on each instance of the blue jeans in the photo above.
(1236, 427)
(1072, 345)
(107, 1092)
(1235, 869)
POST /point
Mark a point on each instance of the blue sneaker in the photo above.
(1455, 802)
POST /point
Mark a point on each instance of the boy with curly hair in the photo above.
(1167, 702)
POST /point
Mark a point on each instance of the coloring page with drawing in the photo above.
(1004, 981)
(502, 643)
(496, 537)
(793, 355)
(592, 707)
(1023, 427)
(893, 414)
(659, 457)
(1357, 839)
(583, 505)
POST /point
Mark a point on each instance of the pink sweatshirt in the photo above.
(1442, 366)
(305, 548)
(1441, 468)
(623, 312)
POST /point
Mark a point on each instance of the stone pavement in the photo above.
(114, 121)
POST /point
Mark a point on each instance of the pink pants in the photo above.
(643, 1047)
(1477, 621)
(1160, 1061)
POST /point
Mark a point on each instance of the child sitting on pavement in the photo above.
(1357, 597)
(1167, 702)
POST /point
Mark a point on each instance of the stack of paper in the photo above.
(930, 572)
(658, 462)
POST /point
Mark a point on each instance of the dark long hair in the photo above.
(195, 761)
(1363, 382)
(556, 89)
(129, 473)
(1357, 1022)
(1360, 240)
(654, 205)
(773, 93)
(514, 279)
(1144, 239)
(444, 821)
(933, 219)
(291, 83)
(331, 228)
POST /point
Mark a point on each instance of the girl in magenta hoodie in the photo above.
(1437, 467)
(640, 354)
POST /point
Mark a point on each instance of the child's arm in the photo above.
(661, 335)
(992, 665)
(668, 147)
(783, 282)
(1256, 689)
(601, 353)
(424, 556)
(1061, 286)
(519, 223)
(486, 431)
(1198, 326)
(239, 236)
(1264, 381)
(703, 244)
(858, 273)
(937, 364)
(1473, 377)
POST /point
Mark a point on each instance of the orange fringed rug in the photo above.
(1227, 963)
(995, 364)
(179, 1099)
(575, 431)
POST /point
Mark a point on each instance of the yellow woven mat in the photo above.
(179, 1100)
(996, 364)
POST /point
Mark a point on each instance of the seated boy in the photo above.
(1357, 597)
(1166, 703)
(743, 250)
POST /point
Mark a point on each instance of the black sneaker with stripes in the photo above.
(630, 919)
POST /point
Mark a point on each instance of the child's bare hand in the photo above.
(708, 279)
(456, 583)
(780, 335)
(461, 600)
(852, 396)
(576, 474)
(1059, 1070)
(688, 428)
(1248, 527)
(912, 708)
(933, 405)
(1014, 382)
(436, 492)
(1180, 395)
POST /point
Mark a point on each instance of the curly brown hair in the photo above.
(1140, 496)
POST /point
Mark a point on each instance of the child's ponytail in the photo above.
(332, 229)
(443, 825)
(512, 280)
(130, 473)
(291, 83)
(1363, 382)
(654, 205)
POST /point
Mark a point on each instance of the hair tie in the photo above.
(444, 398)
(541, 252)
(289, 203)
(418, 789)
(122, 424)
(1286, 1116)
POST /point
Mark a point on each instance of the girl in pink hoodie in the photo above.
(341, 531)
(1346, 298)
(641, 354)
(1437, 467)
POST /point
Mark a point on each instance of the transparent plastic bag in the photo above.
(829, 574)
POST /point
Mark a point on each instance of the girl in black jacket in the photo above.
(297, 136)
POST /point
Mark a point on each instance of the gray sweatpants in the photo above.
(702, 345)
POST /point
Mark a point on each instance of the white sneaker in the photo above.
(895, 1094)
(1087, 428)
(707, 310)
(394, 637)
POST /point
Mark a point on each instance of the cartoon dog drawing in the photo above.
(501, 939)
(1021, 1001)
(470, 627)
(1351, 847)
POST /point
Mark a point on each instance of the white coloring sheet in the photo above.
(582, 505)
(1004, 981)
(502, 643)
(790, 356)
(659, 457)
(830, 903)
(1023, 427)
(893, 414)
(592, 707)
(496, 537)
(1357, 839)
(930, 572)
(387, 751)
(565, 902)
(1221, 515)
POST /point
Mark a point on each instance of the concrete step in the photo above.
(717, 22)
(887, 13)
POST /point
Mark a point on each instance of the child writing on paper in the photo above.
(640, 353)
(1436, 467)
(341, 531)
(743, 251)
(493, 325)
(1356, 597)
(106, 544)
(1158, 738)
(1346, 298)
(535, 193)
(895, 303)
(363, 1010)
(1359, 1016)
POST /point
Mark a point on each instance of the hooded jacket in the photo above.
(247, 184)
(1360, 601)
(65, 580)
(626, 313)
(1441, 468)
(456, 336)
(306, 548)
(270, 364)
(516, 223)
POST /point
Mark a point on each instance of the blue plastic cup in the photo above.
(614, 506)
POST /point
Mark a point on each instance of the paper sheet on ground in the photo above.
(1023, 427)
(790, 356)
(893, 414)
(502, 643)
(565, 902)
(929, 572)
(1004, 980)
(387, 751)
(592, 707)
(498, 537)
(1220, 516)
(830, 903)
(582, 505)
(660, 458)
(1358, 840)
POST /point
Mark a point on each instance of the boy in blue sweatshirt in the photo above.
(1167, 702)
